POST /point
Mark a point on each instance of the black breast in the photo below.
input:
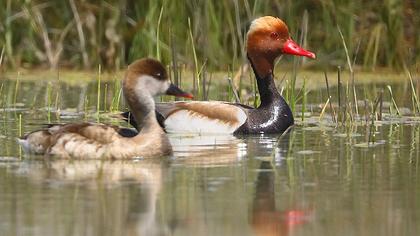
(272, 116)
(275, 118)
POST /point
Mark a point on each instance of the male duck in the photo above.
(268, 37)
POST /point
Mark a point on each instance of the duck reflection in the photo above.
(216, 150)
(108, 197)
(266, 219)
(207, 150)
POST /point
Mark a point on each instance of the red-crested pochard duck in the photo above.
(268, 37)
(144, 79)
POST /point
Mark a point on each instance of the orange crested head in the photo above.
(268, 36)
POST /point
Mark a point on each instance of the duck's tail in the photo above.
(23, 142)
(36, 142)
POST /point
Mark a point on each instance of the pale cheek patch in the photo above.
(148, 85)
(184, 121)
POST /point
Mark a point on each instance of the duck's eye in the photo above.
(158, 75)
(274, 35)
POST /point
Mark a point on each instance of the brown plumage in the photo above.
(219, 111)
(144, 79)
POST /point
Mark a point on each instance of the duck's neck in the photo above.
(263, 68)
(142, 108)
(273, 115)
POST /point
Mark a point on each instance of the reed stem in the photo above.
(98, 103)
(339, 89)
(414, 97)
(158, 34)
(196, 78)
(334, 118)
(393, 100)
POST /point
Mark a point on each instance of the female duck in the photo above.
(144, 79)
(267, 38)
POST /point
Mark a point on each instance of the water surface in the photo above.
(319, 179)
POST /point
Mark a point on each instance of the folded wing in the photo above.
(202, 117)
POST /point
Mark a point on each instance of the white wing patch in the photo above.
(186, 121)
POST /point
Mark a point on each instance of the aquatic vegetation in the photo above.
(98, 100)
(116, 97)
(414, 97)
(83, 34)
(394, 103)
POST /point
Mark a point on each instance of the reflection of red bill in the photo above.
(296, 217)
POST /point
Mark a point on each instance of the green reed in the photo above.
(233, 90)
(98, 100)
(349, 63)
(304, 99)
(257, 98)
(339, 96)
(15, 94)
(381, 101)
(334, 118)
(20, 125)
(158, 34)
(374, 117)
(57, 96)
(394, 103)
(414, 97)
(49, 99)
(1, 95)
(105, 97)
(101, 34)
(1, 56)
(196, 78)
(116, 98)
(86, 108)
(321, 115)
(20, 134)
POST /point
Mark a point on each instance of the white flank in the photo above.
(185, 121)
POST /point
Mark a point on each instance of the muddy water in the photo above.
(319, 179)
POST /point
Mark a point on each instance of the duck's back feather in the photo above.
(83, 136)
